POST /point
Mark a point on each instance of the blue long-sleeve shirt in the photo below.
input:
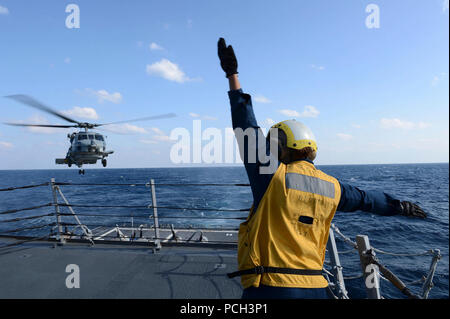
(352, 198)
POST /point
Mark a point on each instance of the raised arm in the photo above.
(244, 120)
(233, 80)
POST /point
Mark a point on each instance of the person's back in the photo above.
(289, 230)
(282, 243)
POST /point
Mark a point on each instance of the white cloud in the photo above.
(38, 119)
(345, 137)
(435, 81)
(82, 112)
(158, 131)
(67, 60)
(4, 10)
(159, 137)
(423, 125)
(438, 78)
(126, 129)
(445, 6)
(162, 138)
(318, 67)
(289, 113)
(202, 117)
(5, 144)
(396, 123)
(309, 111)
(167, 70)
(147, 141)
(155, 47)
(261, 99)
(402, 124)
(209, 118)
(356, 125)
(103, 95)
(268, 122)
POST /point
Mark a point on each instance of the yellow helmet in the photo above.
(298, 135)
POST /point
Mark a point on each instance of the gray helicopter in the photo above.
(86, 147)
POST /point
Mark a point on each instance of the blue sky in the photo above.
(376, 95)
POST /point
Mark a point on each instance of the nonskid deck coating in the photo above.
(38, 270)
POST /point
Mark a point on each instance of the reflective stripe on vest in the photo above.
(309, 184)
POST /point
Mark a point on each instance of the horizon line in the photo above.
(210, 166)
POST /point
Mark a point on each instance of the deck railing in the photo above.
(61, 232)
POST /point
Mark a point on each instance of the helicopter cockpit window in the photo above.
(91, 137)
(82, 137)
(99, 137)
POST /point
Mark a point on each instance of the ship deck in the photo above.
(118, 270)
(149, 261)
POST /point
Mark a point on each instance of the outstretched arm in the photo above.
(353, 199)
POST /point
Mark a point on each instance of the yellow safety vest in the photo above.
(289, 230)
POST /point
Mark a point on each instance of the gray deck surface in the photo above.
(38, 270)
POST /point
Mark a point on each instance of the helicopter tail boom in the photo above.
(62, 161)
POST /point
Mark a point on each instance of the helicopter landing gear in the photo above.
(104, 162)
(81, 172)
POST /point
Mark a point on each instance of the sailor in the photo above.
(281, 245)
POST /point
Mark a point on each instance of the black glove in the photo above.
(227, 58)
(412, 210)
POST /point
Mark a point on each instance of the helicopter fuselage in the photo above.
(85, 148)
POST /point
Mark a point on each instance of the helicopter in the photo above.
(86, 146)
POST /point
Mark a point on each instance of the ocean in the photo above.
(424, 184)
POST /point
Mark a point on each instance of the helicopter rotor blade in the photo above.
(28, 100)
(105, 130)
(148, 118)
(41, 125)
